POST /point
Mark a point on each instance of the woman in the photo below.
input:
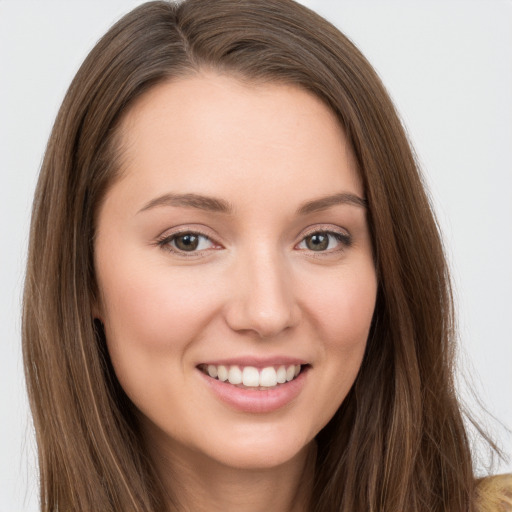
(236, 294)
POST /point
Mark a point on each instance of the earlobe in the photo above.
(98, 319)
(96, 310)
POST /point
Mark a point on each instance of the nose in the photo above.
(261, 298)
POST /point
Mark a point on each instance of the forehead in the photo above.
(212, 131)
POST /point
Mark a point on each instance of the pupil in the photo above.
(187, 242)
(318, 242)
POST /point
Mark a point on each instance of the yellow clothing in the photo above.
(494, 494)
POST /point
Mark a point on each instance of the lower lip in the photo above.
(257, 401)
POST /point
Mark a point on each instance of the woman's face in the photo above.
(234, 246)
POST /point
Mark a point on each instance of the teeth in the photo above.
(281, 374)
(235, 375)
(252, 377)
(222, 373)
(268, 377)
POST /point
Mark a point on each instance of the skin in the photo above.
(254, 287)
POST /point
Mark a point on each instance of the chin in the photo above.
(260, 452)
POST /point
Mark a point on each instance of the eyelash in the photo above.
(344, 240)
(165, 242)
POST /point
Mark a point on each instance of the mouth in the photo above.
(256, 386)
(252, 377)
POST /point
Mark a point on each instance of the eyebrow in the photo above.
(323, 203)
(216, 205)
(210, 204)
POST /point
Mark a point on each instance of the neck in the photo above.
(197, 483)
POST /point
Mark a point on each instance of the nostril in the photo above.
(263, 304)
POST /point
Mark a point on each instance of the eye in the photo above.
(186, 242)
(322, 241)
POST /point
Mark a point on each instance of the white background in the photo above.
(448, 67)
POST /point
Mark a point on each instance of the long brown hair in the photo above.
(398, 441)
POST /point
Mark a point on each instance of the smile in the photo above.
(255, 388)
(250, 377)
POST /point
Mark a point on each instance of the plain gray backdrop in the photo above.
(447, 65)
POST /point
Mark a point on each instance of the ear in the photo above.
(97, 309)
(99, 318)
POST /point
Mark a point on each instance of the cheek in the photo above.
(341, 310)
(152, 313)
(351, 316)
(155, 306)
(342, 307)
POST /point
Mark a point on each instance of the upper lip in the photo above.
(256, 361)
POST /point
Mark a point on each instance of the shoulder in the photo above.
(494, 494)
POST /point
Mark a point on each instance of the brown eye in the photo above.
(187, 242)
(317, 242)
(323, 241)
